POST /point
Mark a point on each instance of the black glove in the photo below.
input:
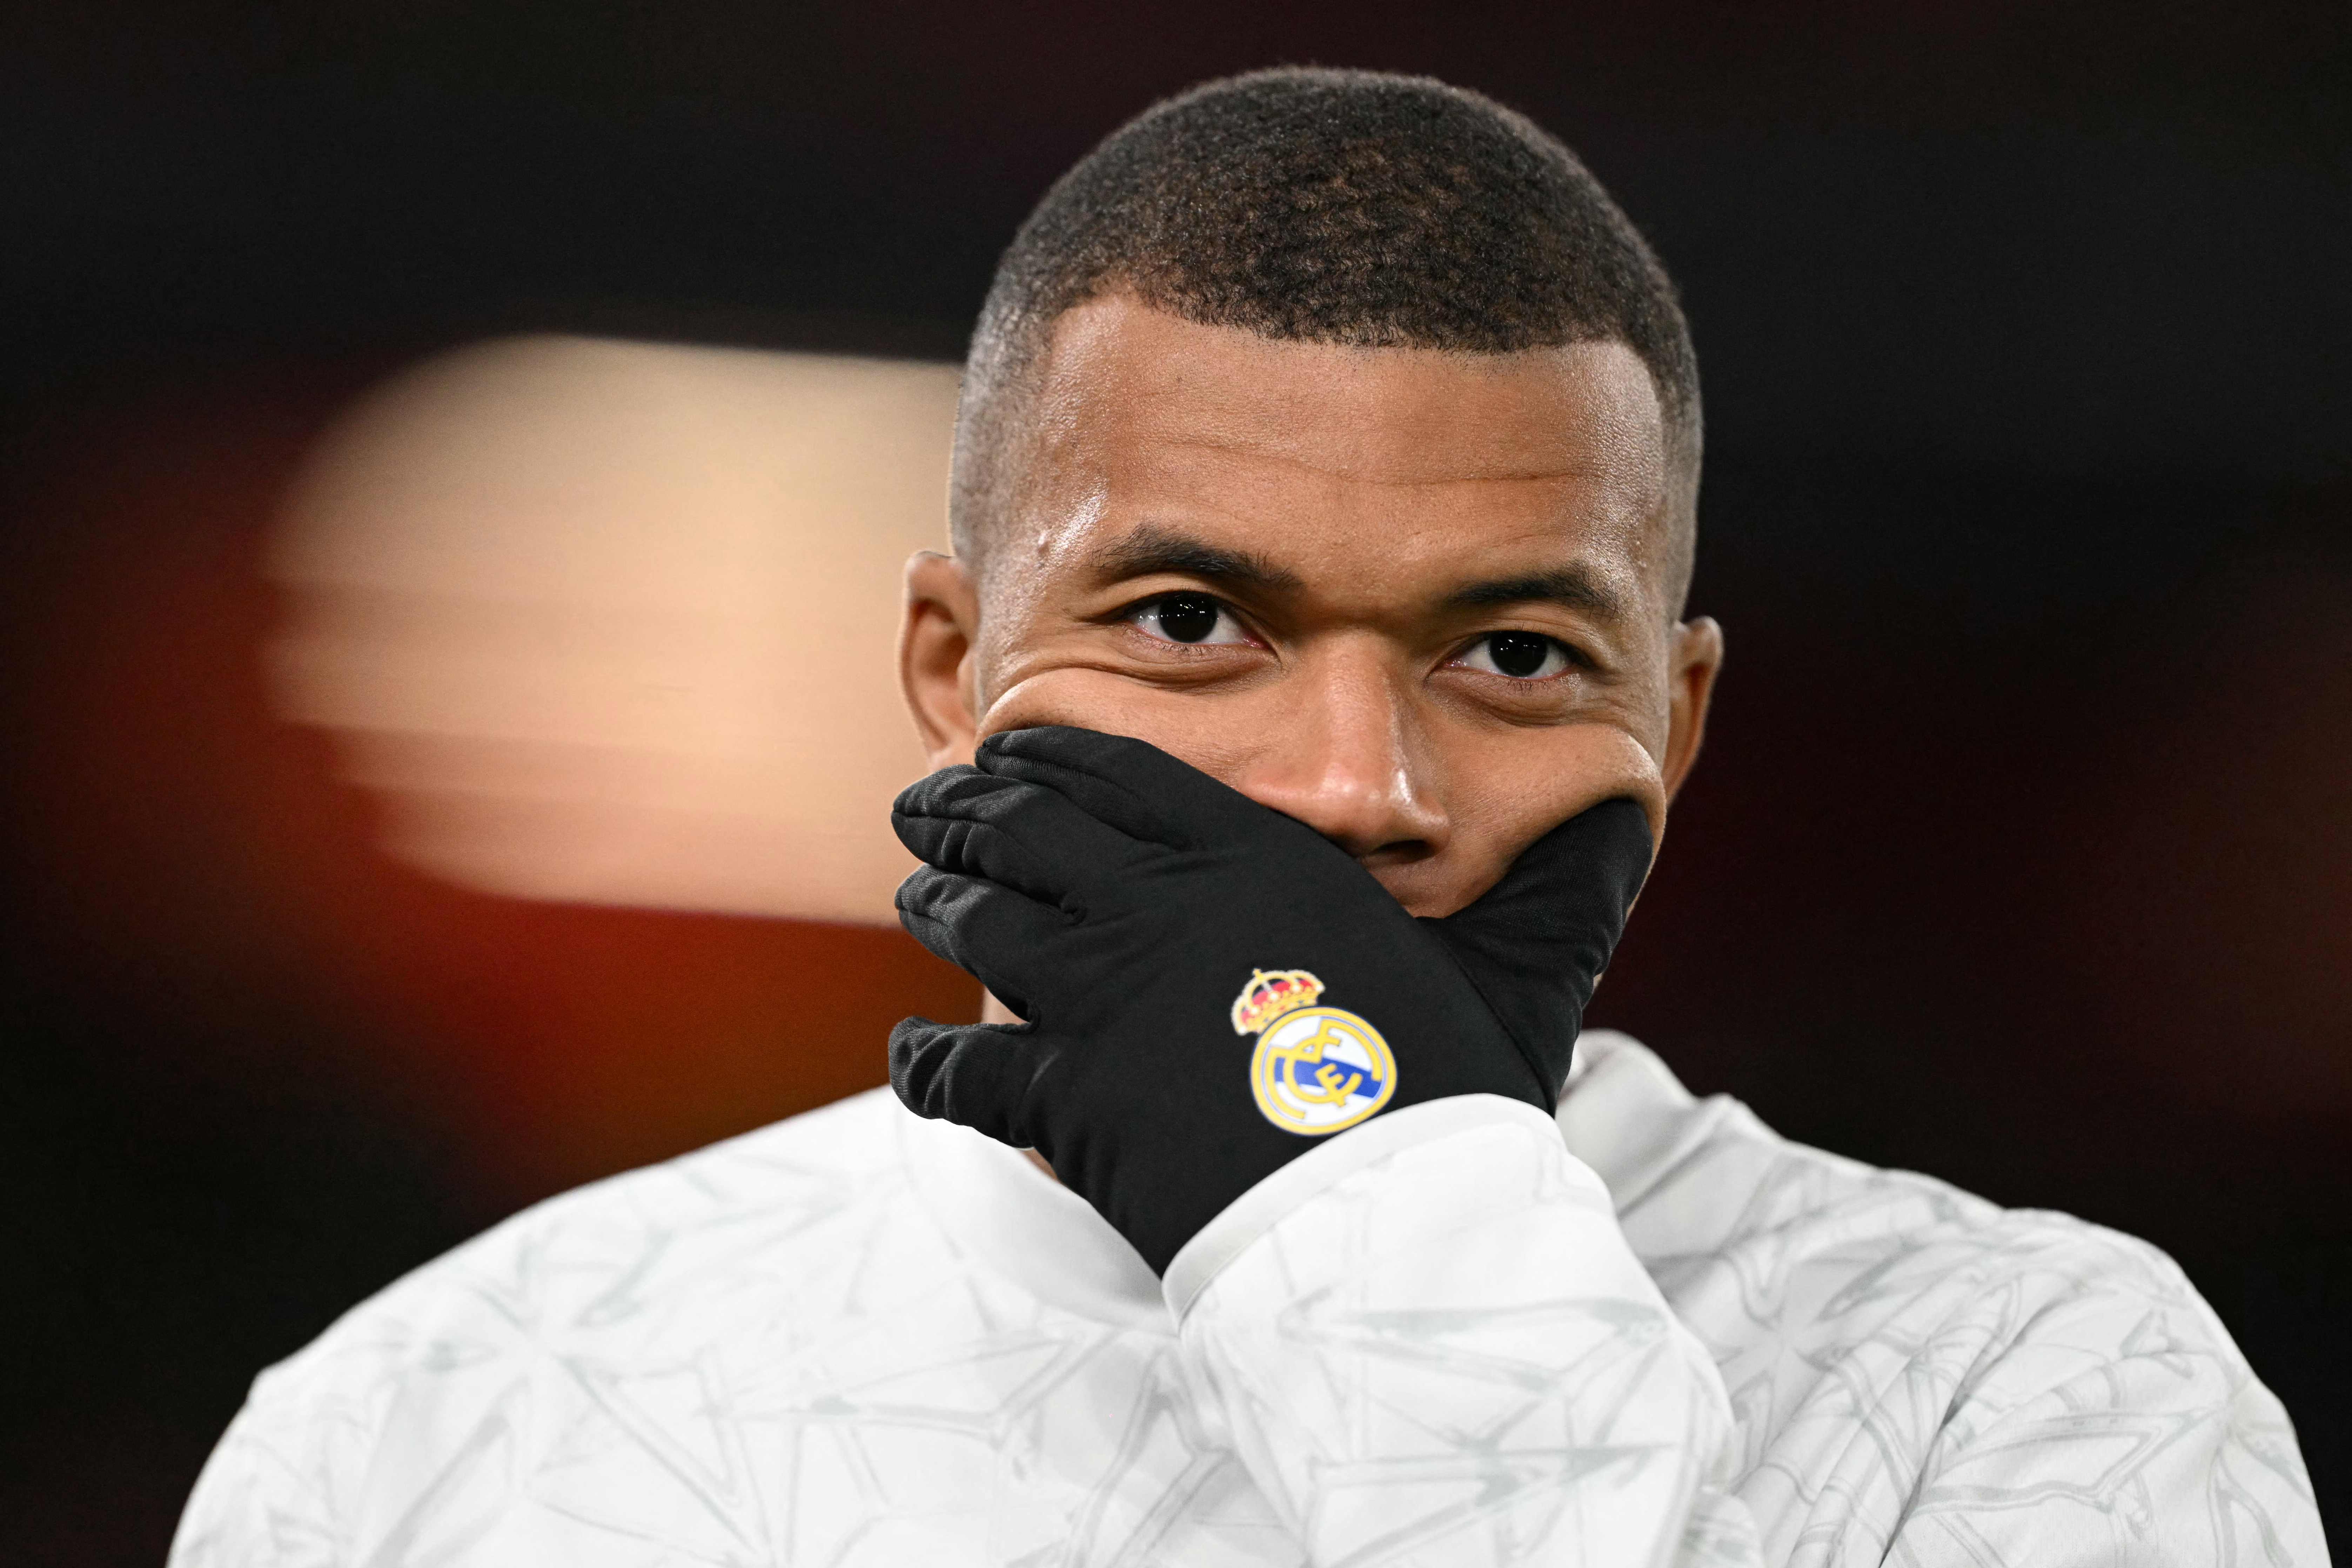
(1146, 919)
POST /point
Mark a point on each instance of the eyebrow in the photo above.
(1571, 587)
(1152, 548)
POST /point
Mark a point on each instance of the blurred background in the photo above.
(457, 458)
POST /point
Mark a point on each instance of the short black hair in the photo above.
(1331, 207)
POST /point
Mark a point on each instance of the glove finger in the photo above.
(1535, 944)
(990, 932)
(1023, 835)
(1129, 784)
(977, 1075)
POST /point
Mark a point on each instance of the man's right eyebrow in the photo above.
(1152, 548)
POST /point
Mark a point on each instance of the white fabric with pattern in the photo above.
(1648, 1332)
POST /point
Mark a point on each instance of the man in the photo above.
(1308, 689)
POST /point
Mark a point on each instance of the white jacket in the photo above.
(1648, 1332)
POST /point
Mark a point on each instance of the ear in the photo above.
(936, 640)
(1695, 659)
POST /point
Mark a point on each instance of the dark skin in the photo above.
(1419, 600)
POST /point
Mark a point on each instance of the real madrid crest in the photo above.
(1316, 1070)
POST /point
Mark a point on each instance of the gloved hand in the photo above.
(1146, 920)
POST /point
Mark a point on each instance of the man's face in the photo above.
(1416, 599)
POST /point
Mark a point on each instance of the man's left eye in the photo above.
(1522, 656)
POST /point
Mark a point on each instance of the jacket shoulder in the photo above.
(653, 1267)
(1904, 1358)
(555, 1260)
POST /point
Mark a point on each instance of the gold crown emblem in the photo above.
(1270, 994)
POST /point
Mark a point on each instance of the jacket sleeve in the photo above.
(1431, 1343)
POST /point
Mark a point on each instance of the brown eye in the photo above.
(1521, 655)
(1190, 618)
(1186, 619)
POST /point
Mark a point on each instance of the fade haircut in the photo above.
(1329, 206)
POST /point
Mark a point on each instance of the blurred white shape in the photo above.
(614, 622)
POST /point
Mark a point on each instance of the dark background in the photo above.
(2021, 853)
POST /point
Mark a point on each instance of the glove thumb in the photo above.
(1534, 945)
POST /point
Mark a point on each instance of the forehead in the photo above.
(1372, 453)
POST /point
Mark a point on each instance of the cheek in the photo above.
(1510, 790)
(1211, 733)
(1554, 774)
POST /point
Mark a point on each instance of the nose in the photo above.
(1350, 760)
